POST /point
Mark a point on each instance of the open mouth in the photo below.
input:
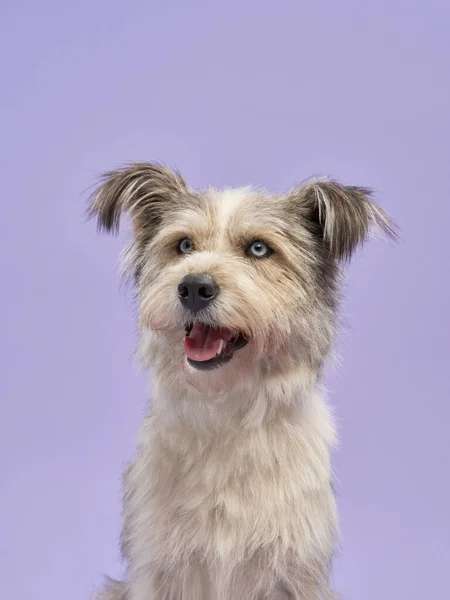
(207, 347)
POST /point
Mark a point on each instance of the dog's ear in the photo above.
(341, 216)
(146, 191)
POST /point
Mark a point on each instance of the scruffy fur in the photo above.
(230, 496)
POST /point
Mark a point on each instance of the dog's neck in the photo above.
(255, 403)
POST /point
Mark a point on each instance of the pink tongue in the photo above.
(203, 343)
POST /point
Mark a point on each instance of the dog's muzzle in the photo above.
(206, 347)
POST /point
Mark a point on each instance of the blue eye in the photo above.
(259, 249)
(186, 246)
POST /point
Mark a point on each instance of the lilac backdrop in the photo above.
(232, 92)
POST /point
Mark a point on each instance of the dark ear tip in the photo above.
(393, 231)
(377, 215)
(384, 223)
(105, 213)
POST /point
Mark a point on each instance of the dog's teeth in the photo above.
(220, 347)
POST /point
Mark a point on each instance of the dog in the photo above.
(230, 496)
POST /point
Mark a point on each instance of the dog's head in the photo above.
(237, 279)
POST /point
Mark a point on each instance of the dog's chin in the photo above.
(211, 347)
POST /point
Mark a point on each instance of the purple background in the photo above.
(232, 92)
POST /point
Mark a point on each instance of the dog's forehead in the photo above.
(232, 208)
(227, 203)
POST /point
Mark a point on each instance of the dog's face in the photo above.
(238, 279)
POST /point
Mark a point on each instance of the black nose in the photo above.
(197, 291)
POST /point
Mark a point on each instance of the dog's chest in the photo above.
(230, 493)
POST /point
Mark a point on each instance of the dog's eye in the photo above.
(185, 246)
(259, 249)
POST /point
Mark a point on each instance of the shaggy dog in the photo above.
(230, 496)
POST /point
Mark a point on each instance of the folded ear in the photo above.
(341, 216)
(145, 190)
